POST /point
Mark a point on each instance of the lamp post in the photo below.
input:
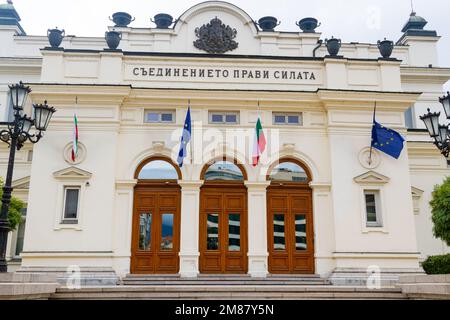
(440, 133)
(16, 134)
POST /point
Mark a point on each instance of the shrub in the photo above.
(15, 210)
(440, 209)
(437, 264)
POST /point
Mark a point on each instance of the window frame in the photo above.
(378, 209)
(160, 112)
(373, 181)
(224, 114)
(65, 220)
(70, 177)
(286, 115)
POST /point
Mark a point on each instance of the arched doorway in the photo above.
(156, 218)
(290, 219)
(223, 219)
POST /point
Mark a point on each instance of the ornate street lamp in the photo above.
(16, 134)
(440, 133)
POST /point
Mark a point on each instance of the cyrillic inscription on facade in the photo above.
(223, 73)
(158, 73)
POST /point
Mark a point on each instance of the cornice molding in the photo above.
(429, 75)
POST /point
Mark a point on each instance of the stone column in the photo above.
(190, 219)
(257, 229)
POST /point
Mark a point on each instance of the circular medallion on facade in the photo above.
(367, 161)
(79, 158)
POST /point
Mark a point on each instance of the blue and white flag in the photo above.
(387, 140)
(185, 138)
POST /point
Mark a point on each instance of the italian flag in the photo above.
(260, 143)
(75, 139)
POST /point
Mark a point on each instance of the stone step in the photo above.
(224, 280)
(225, 276)
(226, 292)
(237, 283)
(219, 279)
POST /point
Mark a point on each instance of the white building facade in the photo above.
(314, 204)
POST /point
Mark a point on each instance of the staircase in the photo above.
(224, 280)
(220, 287)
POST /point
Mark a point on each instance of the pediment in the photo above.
(371, 177)
(72, 173)
(22, 183)
(416, 192)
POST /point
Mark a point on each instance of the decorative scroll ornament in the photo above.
(215, 37)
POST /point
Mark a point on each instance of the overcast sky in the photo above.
(350, 20)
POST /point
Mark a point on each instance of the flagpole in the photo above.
(371, 142)
(191, 142)
(259, 109)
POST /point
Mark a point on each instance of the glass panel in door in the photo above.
(300, 232)
(234, 232)
(279, 232)
(167, 232)
(212, 239)
(145, 231)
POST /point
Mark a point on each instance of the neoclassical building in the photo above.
(313, 205)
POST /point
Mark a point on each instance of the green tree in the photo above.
(440, 206)
(15, 210)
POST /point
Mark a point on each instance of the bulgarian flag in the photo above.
(260, 143)
(75, 139)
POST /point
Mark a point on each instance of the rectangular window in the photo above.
(10, 110)
(71, 202)
(30, 156)
(216, 117)
(373, 214)
(409, 118)
(21, 233)
(160, 116)
(287, 118)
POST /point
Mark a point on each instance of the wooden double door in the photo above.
(223, 229)
(156, 229)
(290, 230)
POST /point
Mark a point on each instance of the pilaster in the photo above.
(336, 73)
(123, 222)
(257, 230)
(190, 208)
(324, 236)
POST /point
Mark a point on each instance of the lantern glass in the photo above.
(27, 123)
(446, 104)
(19, 94)
(443, 133)
(42, 115)
(431, 121)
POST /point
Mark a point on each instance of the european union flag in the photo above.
(387, 140)
(185, 139)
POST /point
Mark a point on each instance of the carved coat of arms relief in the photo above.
(215, 37)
